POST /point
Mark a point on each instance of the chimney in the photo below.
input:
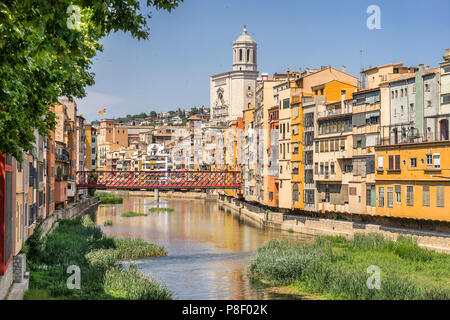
(344, 68)
(447, 53)
(427, 68)
(288, 78)
(342, 100)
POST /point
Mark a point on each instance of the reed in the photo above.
(337, 268)
(79, 242)
(131, 214)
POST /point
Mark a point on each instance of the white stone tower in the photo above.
(244, 53)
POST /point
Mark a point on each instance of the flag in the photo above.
(102, 111)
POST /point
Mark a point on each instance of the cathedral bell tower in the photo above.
(244, 53)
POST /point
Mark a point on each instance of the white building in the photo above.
(231, 92)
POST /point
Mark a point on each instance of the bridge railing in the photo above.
(159, 179)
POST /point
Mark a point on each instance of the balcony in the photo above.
(62, 155)
(333, 113)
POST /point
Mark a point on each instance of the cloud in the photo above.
(94, 102)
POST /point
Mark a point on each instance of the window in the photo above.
(394, 162)
(240, 54)
(332, 168)
(440, 199)
(380, 162)
(427, 87)
(426, 196)
(285, 103)
(309, 196)
(398, 194)
(413, 162)
(446, 98)
(321, 168)
(370, 165)
(410, 196)
(437, 161)
(381, 197)
(295, 192)
(390, 197)
(429, 158)
(370, 195)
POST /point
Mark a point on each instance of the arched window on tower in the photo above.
(248, 55)
(240, 54)
(254, 56)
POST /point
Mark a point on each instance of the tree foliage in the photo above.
(42, 59)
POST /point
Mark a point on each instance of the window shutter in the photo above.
(410, 195)
(426, 196)
(397, 162)
(391, 162)
(440, 196)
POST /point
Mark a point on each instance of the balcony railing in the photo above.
(335, 112)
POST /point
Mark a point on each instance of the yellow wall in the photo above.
(418, 177)
(88, 141)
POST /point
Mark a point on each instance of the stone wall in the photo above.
(6, 280)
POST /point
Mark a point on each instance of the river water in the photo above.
(208, 248)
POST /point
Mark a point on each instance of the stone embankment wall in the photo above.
(437, 241)
(75, 210)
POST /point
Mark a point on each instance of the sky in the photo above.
(172, 68)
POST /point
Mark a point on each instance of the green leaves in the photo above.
(42, 59)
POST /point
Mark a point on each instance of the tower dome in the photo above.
(244, 53)
(244, 37)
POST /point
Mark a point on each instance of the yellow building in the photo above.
(413, 180)
(331, 84)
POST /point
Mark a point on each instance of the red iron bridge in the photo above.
(159, 179)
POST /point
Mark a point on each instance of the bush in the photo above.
(86, 221)
(108, 223)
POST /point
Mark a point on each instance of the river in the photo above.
(208, 248)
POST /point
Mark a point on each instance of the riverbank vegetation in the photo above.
(107, 198)
(79, 242)
(131, 214)
(108, 223)
(161, 209)
(337, 268)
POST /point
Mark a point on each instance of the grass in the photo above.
(131, 214)
(107, 198)
(336, 268)
(79, 242)
(161, 209)
(108, 223)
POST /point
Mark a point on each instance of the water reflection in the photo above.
(208, 248)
